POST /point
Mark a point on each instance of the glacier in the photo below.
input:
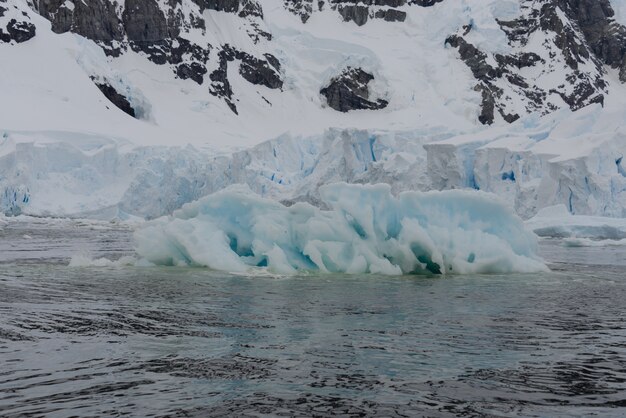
(574, 159)
(365, 230)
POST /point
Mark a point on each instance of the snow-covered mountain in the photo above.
(116, 108)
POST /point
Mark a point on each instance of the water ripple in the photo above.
(193, 343)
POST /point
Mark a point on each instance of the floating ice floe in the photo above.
(586, 242)
(558, 222)
(365, 230)
(84, 260)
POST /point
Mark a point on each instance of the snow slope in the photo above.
(425, 82)
(54, 72)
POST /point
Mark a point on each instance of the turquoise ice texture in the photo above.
(364, 229)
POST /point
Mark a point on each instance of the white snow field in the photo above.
(619, 6)
(365, 230)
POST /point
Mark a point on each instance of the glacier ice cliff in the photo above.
(366, 230)
(571, 158)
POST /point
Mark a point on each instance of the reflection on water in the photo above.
(190, 342)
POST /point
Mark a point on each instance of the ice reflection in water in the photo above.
(189, 342)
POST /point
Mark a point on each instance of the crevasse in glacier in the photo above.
(365, 230)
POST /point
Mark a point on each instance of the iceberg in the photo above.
(557, 222)
(364, 229)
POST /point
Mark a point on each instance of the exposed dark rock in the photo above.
(64, 21)
(357, 14)
(606, 38)
(255, 70)
(261, 72)
(583, 95)
(523, 60)
(390, 15)
(183, 49)
(243, 8)
(256, 34)
(301, 8)
(230, 6)
(220, 85)
(566, 39)
(190, 60)
(488, 105)
(475, 59)
(246, 9)
(517, 80)
(390, 3)
(96, 19)
(556, 21)
(19, 31)
(250, 8)
(192, 71)
(349, 91)
(273, 61)
(425, 3)
(510, 117)
(60, 16)
(358, 11)
(487, 75)
(146, 29)
(119, 100)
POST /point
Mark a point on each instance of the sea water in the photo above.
(140, 341)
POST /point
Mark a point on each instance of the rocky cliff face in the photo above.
(350, 91)
(357, 11)
(155, 28)
(580, 39)
(605, 37)
(171, 32)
